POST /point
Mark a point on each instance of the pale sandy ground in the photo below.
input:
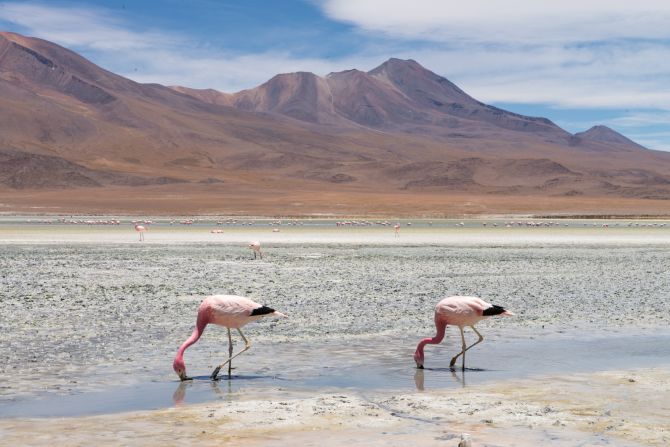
(622, 408)
(163, 234)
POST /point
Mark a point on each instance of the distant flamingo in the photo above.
(140, 229)
(256, 247)
(458, 311)
(225, 310)
(396, 227)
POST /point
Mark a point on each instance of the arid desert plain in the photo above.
(92, 318)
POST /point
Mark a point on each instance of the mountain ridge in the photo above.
(397, 127)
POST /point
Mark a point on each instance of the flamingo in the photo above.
(229, 311)
(140, 229)
(460, 311)
(256, 247)
(396, 227)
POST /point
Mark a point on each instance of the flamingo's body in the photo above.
(256, 247)
(458, 311)
(230, 311)
(141, 229)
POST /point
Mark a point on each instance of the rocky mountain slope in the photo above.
(67, 123)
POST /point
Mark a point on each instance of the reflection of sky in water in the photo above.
(371, 367)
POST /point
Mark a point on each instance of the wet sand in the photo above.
(609, 408)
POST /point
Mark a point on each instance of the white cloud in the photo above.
(154, 56)
(616, 74)
(569, 53)
(90, 28)
(518, 21)
(643, 119)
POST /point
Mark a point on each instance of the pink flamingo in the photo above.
(459, 311)
(140, 229)
(256, 247)
(396, 227)
(225, 310)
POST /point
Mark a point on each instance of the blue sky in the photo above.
(577, 62)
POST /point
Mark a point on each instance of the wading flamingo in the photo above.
(256, 247)
(459, 311)
(141, 229)
(396, 227)
(225, 310)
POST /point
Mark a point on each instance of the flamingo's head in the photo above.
(418, 358)
(180, 368)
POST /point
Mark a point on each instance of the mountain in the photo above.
(604, 134)
(396, 139)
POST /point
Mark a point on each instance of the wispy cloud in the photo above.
(157, 56)
(572, 53)
(659, 141)
(515, 51)
(91, 28)
(643, 119)
(505, 21)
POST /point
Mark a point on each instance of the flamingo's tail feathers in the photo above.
(496, 310)
(265, 310)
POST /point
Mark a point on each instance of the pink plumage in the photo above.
(458, 311)
(229, 311)
(256, 247)
(141, 229)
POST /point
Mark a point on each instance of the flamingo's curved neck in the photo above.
(195, 336)
(439, 336)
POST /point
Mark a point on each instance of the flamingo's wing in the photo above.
(461, 306)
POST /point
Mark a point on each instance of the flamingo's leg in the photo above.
(463, 349)
(260, 253)
(230, 352)
(481, 339)
(247, 345)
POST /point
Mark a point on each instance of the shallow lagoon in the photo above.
(92, 318)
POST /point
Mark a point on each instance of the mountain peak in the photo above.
(294, 75)
(395, 65)
(605, 134)
(394, 61)
(350, 72)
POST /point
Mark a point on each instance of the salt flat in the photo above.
(92, 318)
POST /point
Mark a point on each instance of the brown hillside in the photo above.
(310, 142)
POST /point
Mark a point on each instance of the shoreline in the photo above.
(627, 406)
